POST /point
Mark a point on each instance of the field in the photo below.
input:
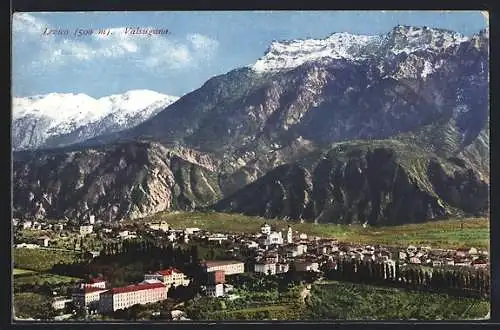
(345, 301)
(474, 232)
(250, 305)
(41, 260)
(45, 278)
(19, 271)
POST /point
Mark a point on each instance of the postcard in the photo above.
(250, 165)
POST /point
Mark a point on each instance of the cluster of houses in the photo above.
(464, 257)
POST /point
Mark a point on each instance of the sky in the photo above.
(198, 45)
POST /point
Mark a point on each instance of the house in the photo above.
(461, 252)
(472, 251)
(215, 290)
(462, 262)
(27, 224)
(303, 236)
(304, 266)
(170, 277)
(127, 296)
(91, 219)
(93, 254)
(229, 267)
(411, 249)
(217, 238)
(36, 225)
(87, 296)
(402, 255)
(86, 229)
(163, 226)
(282, 268)
(265, 229)
(449, 262)
(480, 264)
(125, 234)
(252, 245)
(267, 268)
(437, 263)
(415, 260)
(43, 241)
(15, 222)
(27, 246)
(191, 231)
(274, 238)
(60, 302)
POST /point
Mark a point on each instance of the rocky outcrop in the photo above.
(359, 183)
(121, 181)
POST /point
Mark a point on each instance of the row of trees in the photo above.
(457, 281)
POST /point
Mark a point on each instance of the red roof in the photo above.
(90, 289)
(96, 280)
(136, 287)
(168, 271)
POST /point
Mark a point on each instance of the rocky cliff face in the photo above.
(359, 183)
(121, 181)
(419, 89)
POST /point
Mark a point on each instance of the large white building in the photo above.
(229, 267)
(274, 238)
(125, 297)
(163, 226)
(170, 276)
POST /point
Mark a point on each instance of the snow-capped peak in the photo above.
(56, 114)
(289, 54)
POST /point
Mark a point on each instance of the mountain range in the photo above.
(383, 129)
(55, 119)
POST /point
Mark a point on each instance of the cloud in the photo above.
(147, 51)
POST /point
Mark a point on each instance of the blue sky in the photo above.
(199, 45)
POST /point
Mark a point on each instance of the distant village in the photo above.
(274, 251)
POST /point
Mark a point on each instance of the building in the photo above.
(216, 277)
(60, 302)
(87, 296)
(27, 224)
(274, 238)
(229, 267)
(170, 276)
(265, 229)
(217, 237)
(125, 234)
(214, 290)
(43, 241)
(303, 236)
(289, 235)
(305, 266)
(86, 229)
(163, 226)
(282, 268)
(252, 245)
(36, 225)
(127, 296)
(191, 231)
(267, 268)
(27, 246)
(98, 282)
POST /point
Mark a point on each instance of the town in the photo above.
(269, 252)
